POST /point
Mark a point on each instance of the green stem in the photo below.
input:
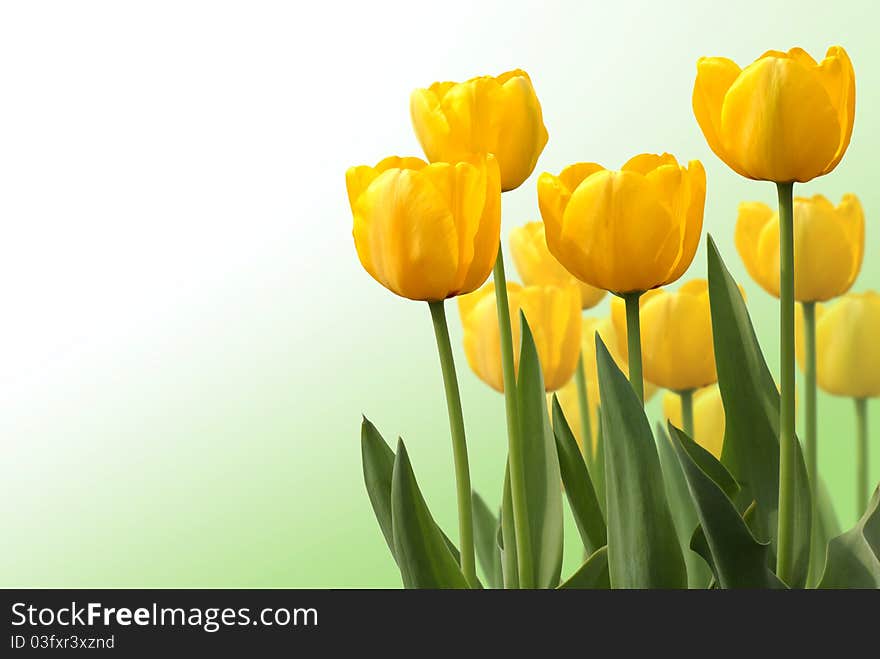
(862, 455)
(459, 444)
(787, 439)
(812, 444)
(514, 439)
(687, 411)
(634, 343)
(584, 405)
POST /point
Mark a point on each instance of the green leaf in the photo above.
(592, 574)
(737, 558)
(578, 484)
(854, 557)
(751, 409)
(828, 528)
(423, 556)
(485, 539)
(684, 514)
(542, 476)
(643, 549)
(378, 465)
(506, 537)
(598, 472)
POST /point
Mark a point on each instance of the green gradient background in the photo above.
(223, 448)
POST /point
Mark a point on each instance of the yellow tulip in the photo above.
(676, 328)
(783, 118)
(629, 230)
(499, 115)
(426, 232)
(568, 396)
(554, 316)
(708, 417)
(829, 244)
(847, 349)
(538, 267)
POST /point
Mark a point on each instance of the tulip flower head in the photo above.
(847, 349)
(629, 230)
(829, 244)
(554, 317)
(708, 417)
(499, 115)
(783, 118)
(677, 346)
(538, 267)
(426, 232)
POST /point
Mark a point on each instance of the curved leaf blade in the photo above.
(684, 514)
(854, 557)
(542, 475)
(736, 557)
(488, 554)
(643, 548)
(592, 574)
(751, 408)
(578, 484)
(423, 556)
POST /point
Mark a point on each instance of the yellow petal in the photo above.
(554, 316)
(848, 353)
(778, 122)
(616, 234)
(839, 79)
(693, 200)
(482, 340)
(715, 75)
(753, 217)
(823, 253)
(405, 235)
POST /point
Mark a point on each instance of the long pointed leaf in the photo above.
(506, 537)
(422, 553)
(738, 559)
(541, 465)
(643, 549)
(592, 574)
(485, 530)
(854, 557)
(378, 465)
(578, 484)
(751, 409)
(684, 514)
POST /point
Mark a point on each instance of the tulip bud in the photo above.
(554, 316)
(829, 244)
(426, 232)
(626, 231)
(499, 115)
(847, 349)
(783, 118)
(538, 267)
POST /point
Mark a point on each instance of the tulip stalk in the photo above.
(862, 455)
(812, 445)
(687, 411)
(459, 444)
(515, 448)
(787, 439)
(634, 343)
(584, 405)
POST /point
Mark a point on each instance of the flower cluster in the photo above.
(685, 505)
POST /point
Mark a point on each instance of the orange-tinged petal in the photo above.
(778, 122)
(693, 199)
(837, 75)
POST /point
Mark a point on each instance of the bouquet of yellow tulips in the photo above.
(720, 495)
